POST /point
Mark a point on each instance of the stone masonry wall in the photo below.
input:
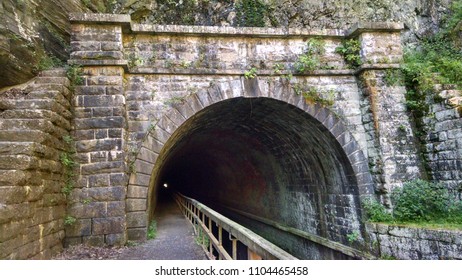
(406, 243)
(98, 200)
(136, 73)
(33, 122)
(442, 139)
(393, 155)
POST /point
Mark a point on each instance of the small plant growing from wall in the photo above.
(152, 230)
(350, 50)
(67, 160)
(310, 59)
(251, 74)
(278, 68)
(69, 220)
(352, 237)
(74, 73)
(314, 96)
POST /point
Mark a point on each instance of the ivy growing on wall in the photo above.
(437, 60)
(251, 13)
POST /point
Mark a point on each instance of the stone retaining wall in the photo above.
(406, 243)
(442, 139)
(33, 122)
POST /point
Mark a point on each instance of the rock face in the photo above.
(30, 33)
(33, 31)
(420, 16)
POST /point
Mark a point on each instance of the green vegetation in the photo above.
(252, 13)
(313, 96)
(174, 100)
(152, 230)
(67, 160)
(376, 212)
(437, 60)
(311, 57)
(418, 202)
(251, 74)
(352, 237)
(278, 68)
(394, 77)
(69, 220)
(133, 60)
(131, 243)
(48, 62)
(350, 49)
(74, 74)
(201, 237)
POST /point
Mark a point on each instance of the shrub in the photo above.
(350, 50)
(251, 13)
(420, 201)
(152, 230)
(311, 57)
(376, 212)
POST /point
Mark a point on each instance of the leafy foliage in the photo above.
(69, 220)
(311, 57)
(350, 50)
(252, 73)
(376, 212)
(74, 74)
(251, 13)
(437, 60)
(48, 62)
(152, 230)
(418, 202)
(423, 201)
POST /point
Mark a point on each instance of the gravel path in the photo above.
(174, 241)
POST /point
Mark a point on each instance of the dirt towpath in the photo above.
(174, 240)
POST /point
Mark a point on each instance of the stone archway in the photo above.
(278, 143)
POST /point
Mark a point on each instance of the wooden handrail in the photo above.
(202, 216)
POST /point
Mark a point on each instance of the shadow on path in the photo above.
(174, 240)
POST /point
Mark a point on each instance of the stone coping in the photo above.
(130, 27)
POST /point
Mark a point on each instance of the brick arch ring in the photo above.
(161, 136)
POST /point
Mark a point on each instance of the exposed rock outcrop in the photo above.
(31, 32)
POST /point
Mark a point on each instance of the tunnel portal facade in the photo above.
(222, 115)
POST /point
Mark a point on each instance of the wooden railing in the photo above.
(222, 238)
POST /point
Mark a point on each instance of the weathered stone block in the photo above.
(115, 239)
(137, 219)
(143, 167)
(137, 192)
(116, 208)
(72, 241)
(118, 179)
(137, 234)
(105, 194)
(140, 179)
(101, 101)
(98, 145)
(103, 167)
(134, 205)
(81, 227)
(103, 122)
(93, 240)
(90, 210)
(402, 232)
(99, 180)
(109, 225)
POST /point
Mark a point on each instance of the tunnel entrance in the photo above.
(272, 160)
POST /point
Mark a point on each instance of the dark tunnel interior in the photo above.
(268, 158)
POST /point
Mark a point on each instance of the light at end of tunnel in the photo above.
(165, 185)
